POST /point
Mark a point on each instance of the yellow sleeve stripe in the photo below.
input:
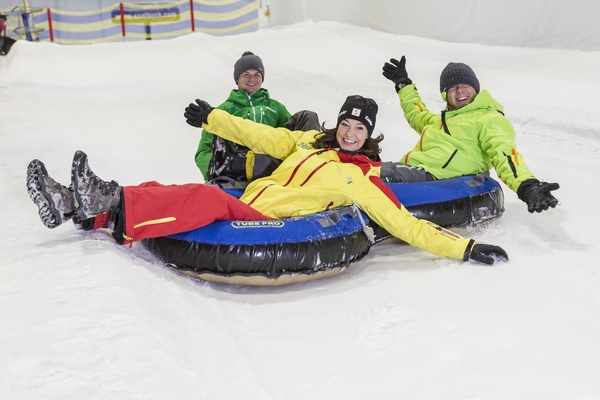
(155, 221)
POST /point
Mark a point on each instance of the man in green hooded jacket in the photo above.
(469, 137)
(218, 158)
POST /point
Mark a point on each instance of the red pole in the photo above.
(49, 13)
(192, 15)
(122, 18)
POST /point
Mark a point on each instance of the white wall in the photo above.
(533, 23)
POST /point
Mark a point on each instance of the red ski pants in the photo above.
(154, 210)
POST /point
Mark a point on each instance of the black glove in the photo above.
(484, 253)
(395, 71)
(197, 114)
(537, 195)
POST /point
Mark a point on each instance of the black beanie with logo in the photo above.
(361, 109)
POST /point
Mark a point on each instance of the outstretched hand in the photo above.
(197, 114)
(395, 71)
(485, 253)
(538, 197)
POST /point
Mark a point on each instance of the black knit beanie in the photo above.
(457, 73)
(246, 62)
(361, 109)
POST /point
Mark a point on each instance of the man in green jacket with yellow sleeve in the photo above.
(218, 158)
(469, 137)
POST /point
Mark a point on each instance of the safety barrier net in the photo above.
(124, 21)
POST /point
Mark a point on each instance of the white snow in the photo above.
(83, 318)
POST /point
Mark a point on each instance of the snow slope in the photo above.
(84, 318)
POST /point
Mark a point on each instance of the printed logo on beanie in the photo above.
(361, 109)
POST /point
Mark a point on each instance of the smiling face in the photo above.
(459, 96)
(250, 81)
(351, 134)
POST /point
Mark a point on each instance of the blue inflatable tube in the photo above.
(311, 247)
(450, 202)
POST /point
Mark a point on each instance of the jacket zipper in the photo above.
(450, 159)
(445, 126)
(251, 107)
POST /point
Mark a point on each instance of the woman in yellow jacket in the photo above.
(320, 171)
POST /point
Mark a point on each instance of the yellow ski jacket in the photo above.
(314, 180)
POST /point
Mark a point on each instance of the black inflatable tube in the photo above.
(458, 212)
(271, 260)
(314, 255)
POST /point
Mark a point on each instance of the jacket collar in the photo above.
(483, 101)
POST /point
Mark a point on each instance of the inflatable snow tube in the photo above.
(292, 250)
(450, 202)
(267, 253)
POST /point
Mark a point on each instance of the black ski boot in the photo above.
(93, 196)
(55, 202)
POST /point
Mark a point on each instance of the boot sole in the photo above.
(50, 216)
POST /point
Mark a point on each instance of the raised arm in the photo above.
(415, 111)
(262, 139)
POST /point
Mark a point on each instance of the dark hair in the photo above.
(327, 138)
